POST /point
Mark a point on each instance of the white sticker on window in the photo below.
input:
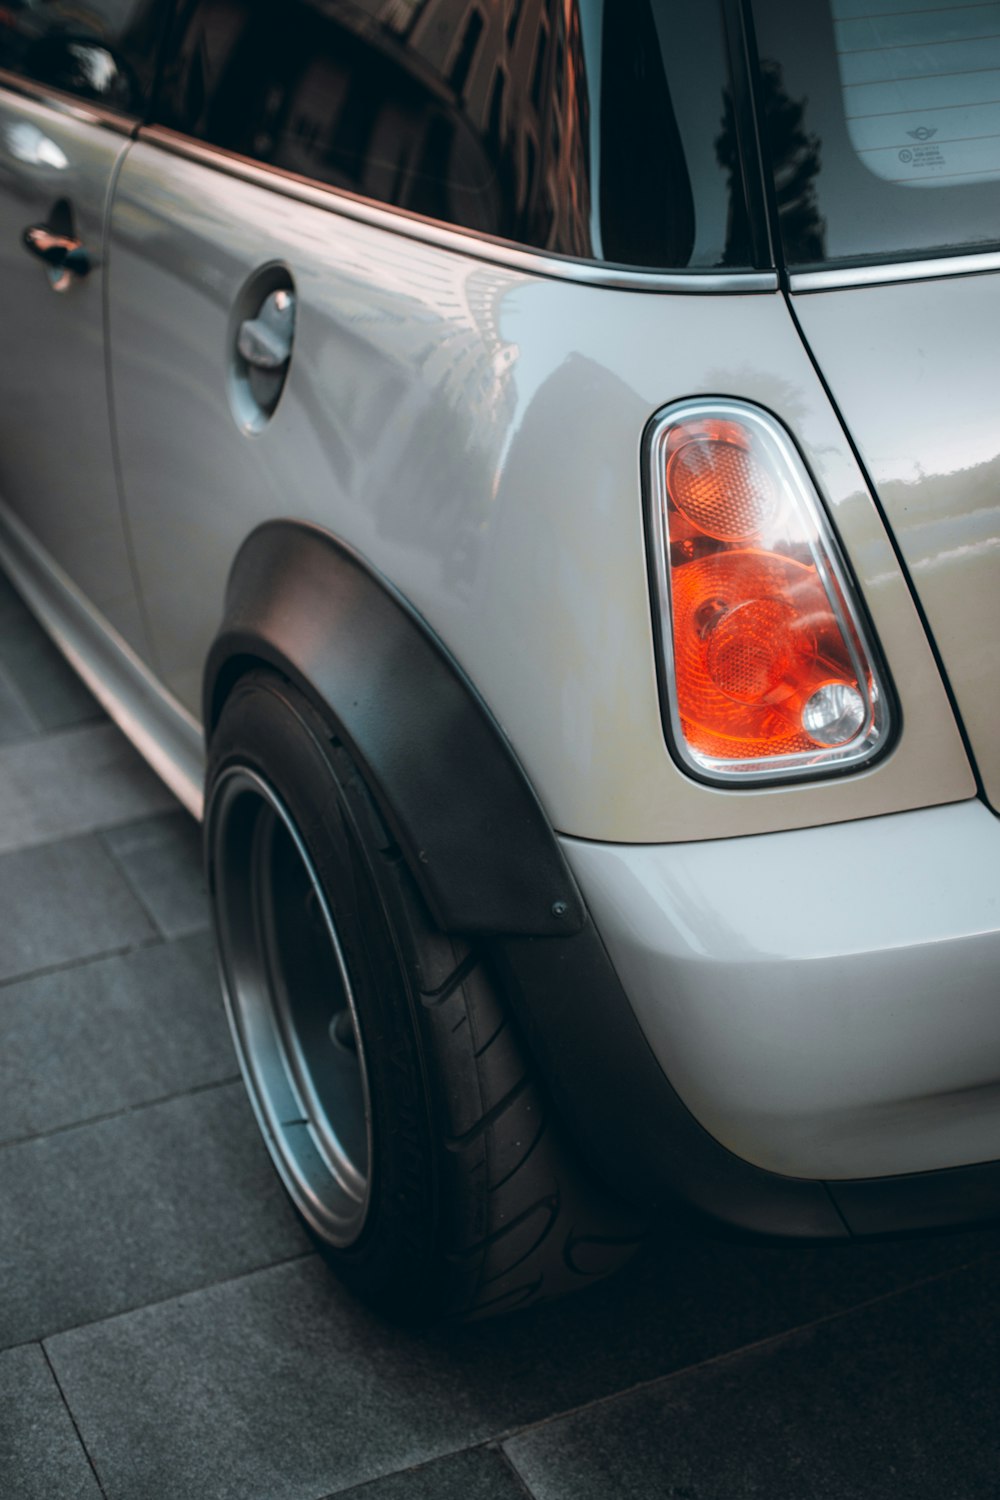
(922, 88)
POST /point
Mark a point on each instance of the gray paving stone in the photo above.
(118, 1213)
(887, 1403)
(276, 1387)
(40, 1454)
(280, 1387)
(104, 1036)
(70, 783)
(53, 691)
(475, 1474)
(61, 902)
(16, 722)
(161, 858)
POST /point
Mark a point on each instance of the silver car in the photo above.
(525, 473)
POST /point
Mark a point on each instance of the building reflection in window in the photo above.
(473, 112)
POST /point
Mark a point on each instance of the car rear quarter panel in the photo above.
(915, 370)
(474, 431)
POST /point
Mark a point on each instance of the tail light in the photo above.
(768, 671)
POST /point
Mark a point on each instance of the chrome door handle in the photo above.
(65, 258)
(265, 342)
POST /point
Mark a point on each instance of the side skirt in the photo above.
(161, 729)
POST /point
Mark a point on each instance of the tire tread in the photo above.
(489, 1207)
(501, 1096)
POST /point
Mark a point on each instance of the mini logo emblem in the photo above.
(921, 133)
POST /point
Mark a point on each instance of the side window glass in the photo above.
(104, 51)
(448, 111)
(569, 126)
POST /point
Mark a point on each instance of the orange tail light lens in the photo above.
(768, 672)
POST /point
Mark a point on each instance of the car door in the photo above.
(73, 85)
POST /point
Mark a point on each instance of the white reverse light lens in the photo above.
(834, 713)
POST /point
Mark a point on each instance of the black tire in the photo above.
(447, 1190)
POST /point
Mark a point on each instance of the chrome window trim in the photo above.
(911, 270)
(84, 110)
(446, 237)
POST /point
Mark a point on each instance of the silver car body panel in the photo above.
(824, 1001)
(915, 369)
(473, 430)
(64, 488)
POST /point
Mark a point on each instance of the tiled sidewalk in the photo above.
(166, 1330)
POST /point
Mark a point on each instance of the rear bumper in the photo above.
(825, 1002)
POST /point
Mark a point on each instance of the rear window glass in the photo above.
(921, 90)
(883, 124)
(598, 129)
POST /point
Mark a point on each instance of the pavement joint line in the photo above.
(137, 895)
(94, 831)
(72, 1417)
(139, 820)
(733, 1354)
(14, 688)
(484, 1445)
(98, 726)
(156, 941)
(515, 1471)
(90, 831)
(27, 739)
(117, 1114)
(191, 1291)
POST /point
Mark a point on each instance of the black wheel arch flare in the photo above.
(453, 795)
(443, 774)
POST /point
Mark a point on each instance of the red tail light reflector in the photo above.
(768, 670)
